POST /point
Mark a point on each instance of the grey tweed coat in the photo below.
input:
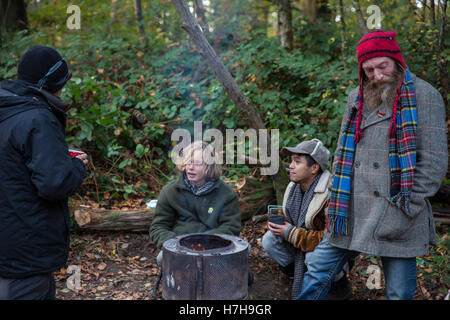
(375, 226)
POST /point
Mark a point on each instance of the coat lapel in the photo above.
(375, 116)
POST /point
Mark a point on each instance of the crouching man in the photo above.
(304, 202)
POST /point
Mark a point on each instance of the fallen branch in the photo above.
(246, 109)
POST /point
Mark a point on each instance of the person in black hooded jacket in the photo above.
(37, 176)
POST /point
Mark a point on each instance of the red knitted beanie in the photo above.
(378, 43)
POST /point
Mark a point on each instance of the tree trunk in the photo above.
(343, 35)
(265, 15)
(285, 24)
(115, 4)
(432, 12)
(362, 21)
(13, 15)
(248, 111)
(201, 14)
(244, 106)
(112, 220)
(310, 9)
(139, 20)
(413, 7)
(323, 11)
(441, 62)
(424, 10)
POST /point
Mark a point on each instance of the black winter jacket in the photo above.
(36, 178)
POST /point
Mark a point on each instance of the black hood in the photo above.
(20, 96)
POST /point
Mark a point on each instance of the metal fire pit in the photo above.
(202, 266)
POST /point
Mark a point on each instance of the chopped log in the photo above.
(112, 220)
(261, 217)
(442, 220)
(253, 199)
(254, 196)
(442, 195)
(442, 215)
(441, 212)
(438, 216)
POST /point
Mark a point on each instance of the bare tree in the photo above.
(115, 4)
(201, 14)
(310, 9)
(285, 24)
(343, 34)
(13, 15)
(432, 12)
(259, 16)
(424, 10)
(441, 62)
(362, 21)
(220, 71)
(314, 9)
(139, 19)
(248, 111)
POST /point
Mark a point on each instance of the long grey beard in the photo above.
(374, 94)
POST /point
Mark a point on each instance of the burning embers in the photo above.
(205, 266)
(198, 247)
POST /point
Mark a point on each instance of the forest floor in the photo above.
(122, 266)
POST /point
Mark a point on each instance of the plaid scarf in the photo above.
(402, 157)
(296, 208)
(200, 190)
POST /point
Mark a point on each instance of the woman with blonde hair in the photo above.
(197, 200)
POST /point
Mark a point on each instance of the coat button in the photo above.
(357, 164)
(376, 193)
(376, 165)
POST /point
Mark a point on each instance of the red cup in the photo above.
(73, 153)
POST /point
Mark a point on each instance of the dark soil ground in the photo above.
(122, 266)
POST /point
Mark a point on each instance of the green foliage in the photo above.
(435, 266)
(128, 95)
(303, 94)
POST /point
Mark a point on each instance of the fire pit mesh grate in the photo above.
(215, 270)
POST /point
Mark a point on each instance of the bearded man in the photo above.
(391, 156)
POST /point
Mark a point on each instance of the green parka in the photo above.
(179, 211)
